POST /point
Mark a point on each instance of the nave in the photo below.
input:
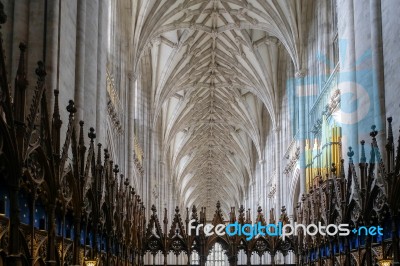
(199, 132)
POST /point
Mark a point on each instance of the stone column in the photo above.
(323, 37)
(262, 191)
(101, 104)
(300, 75)
(347, 76)
(19, 34)
(161, 188)
(91, 64)
(52, 49)
(378, 68)
(268, 185)
(170, 199)
(155, 166)
(80, 61)
(252, 196)
(142, 130)
(124, 137)
(131, 131)
(156, 47)
(277, 141)
(35, 44)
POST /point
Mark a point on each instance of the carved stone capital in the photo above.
(301, 73)
(276, 129)
(156, 41)
(271, 40)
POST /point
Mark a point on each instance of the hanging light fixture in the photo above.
(385, 262)
(91, 262)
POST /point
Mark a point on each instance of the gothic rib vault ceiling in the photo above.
(214, 87)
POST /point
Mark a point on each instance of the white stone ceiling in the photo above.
(214, 87)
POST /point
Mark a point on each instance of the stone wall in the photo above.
(391, 44)
(72, 37)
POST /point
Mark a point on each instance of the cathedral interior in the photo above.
(127, 125)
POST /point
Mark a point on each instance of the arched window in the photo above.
(195, 259)
(217, 257)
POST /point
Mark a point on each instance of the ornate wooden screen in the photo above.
(176, 239)
(369, 196)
